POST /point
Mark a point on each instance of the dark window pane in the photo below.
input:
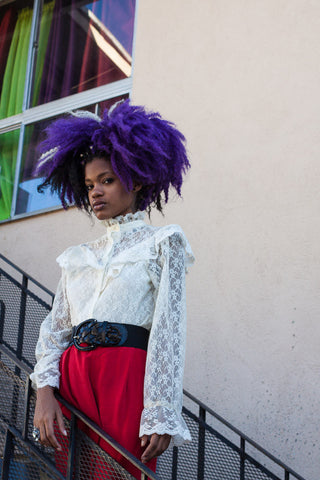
(84, 45)
(28, 199)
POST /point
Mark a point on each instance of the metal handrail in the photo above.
(243, 436)
(26, 275)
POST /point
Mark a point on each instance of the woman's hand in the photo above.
(47, 411)
(156, 445)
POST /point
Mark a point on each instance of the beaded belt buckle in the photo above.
(96, 334)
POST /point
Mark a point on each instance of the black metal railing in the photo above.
(223, 452)
(24, 303)
(78, 448)
(218, 450)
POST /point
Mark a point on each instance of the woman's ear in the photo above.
(136, 188)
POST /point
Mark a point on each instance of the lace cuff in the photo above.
(163, 420)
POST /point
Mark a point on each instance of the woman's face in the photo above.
(107, 196)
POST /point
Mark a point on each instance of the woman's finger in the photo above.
(144, 440)
(53, 442)
(60, 422)
(43, 436)
(158, 444)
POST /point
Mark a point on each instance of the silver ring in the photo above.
(36, 434)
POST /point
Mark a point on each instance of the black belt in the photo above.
(105, 334)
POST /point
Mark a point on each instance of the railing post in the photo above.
(22, 316)
(72, 446)
(17, 371)
(201, 443)
(286, 475)
(7, 454)
(27, 396)
(175, 463)
(2, 316)
(242, 458)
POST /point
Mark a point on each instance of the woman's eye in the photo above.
(108, 180)
(88, 187)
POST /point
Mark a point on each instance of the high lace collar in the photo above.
(124, 219)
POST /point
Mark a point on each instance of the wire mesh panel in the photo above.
(20, 467)
(35, 312)
(92, 460)
(22, 313)
(11, 298)
(164, 464)
(255, 472)
(2, 438)
(188, 454)
(25, 465)
(12, 393)
(222, 462)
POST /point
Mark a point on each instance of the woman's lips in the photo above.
(98, 206)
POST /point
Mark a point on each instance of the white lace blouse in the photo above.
(134, 274)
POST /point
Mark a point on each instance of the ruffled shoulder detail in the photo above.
(77, 257)
(82, 256)
(96, 254)
(150, 247)
(168, 231)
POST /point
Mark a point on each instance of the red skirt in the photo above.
(106, 384)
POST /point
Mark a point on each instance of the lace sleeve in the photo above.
(166, 350)
(54, 337)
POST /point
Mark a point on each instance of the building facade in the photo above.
(240, 79)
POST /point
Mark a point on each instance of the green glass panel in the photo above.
(45, 24)
(8, 155)
(15, 72)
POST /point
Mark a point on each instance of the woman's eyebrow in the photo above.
(102, 174)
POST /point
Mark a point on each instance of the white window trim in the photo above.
(67, 104)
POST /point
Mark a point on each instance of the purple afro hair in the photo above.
(144, 149)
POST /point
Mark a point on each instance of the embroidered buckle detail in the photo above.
(96, 334)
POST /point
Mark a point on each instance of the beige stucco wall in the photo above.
(241, 80)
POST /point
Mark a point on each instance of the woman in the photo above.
(132, 277)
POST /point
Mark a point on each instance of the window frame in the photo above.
(54, 108)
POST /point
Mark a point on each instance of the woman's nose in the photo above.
(96, 191)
